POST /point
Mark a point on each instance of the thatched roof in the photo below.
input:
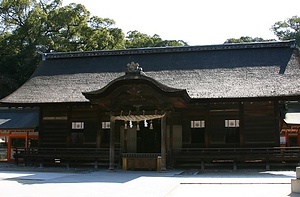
(217, 71)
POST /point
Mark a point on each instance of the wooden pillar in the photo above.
(9, 148)
(41, 128)
(276, 122)
(287, 139)
(242, 124)
(98, 138)
(69, 131)
(171, 138)
(171, 133)
(298, 138)
(163, 143)
(27, 139)
(125, 140)
(207, 126)
(112, 144)
(99, 131)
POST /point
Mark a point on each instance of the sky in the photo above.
(197, 22)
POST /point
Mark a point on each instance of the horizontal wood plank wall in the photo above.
(197, 113)
(259, 123)
(91, 124)
(218, 113)
(214, 115)
(54, 126)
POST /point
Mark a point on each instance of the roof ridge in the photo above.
(150, 50)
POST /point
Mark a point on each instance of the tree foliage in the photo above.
(67, 28)
(247, 39)
(136, 39)
(288, 29)
(28, 26)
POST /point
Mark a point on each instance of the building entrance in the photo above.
(149, 137)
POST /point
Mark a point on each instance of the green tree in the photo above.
(135, 39)
(288, 29)
(28, 26)
(7, 82)
(247, 39)
(46, 25)
(68, 28)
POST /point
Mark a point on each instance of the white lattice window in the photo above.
(197, 124)
(105, 125)
(77, 125)
(232, 123)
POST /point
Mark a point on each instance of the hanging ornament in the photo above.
(145, 124)
(130, 124)
(138, 126)
(151, 125)
(125, 126)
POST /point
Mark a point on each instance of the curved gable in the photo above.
(135, 88)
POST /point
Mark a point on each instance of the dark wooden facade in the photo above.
(259, 125)
(193, 113)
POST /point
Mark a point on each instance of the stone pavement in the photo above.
(63, 182)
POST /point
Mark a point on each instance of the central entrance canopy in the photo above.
(136, 90)
(135, 97)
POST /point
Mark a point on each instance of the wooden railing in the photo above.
(183, 157)
(237, 156)
(65, 156)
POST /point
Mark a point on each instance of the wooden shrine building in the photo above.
(165, 107)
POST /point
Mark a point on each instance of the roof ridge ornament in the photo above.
(134, 68)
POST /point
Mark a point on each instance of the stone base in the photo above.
(295, 184)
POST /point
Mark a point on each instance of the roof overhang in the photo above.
(18, 119)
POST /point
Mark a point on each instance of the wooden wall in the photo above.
(56, 126)
(258, 124)
(91, 124)
(218, 113)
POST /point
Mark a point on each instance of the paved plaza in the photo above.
(48, 183)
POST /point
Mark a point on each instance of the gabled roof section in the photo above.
(247, 70)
